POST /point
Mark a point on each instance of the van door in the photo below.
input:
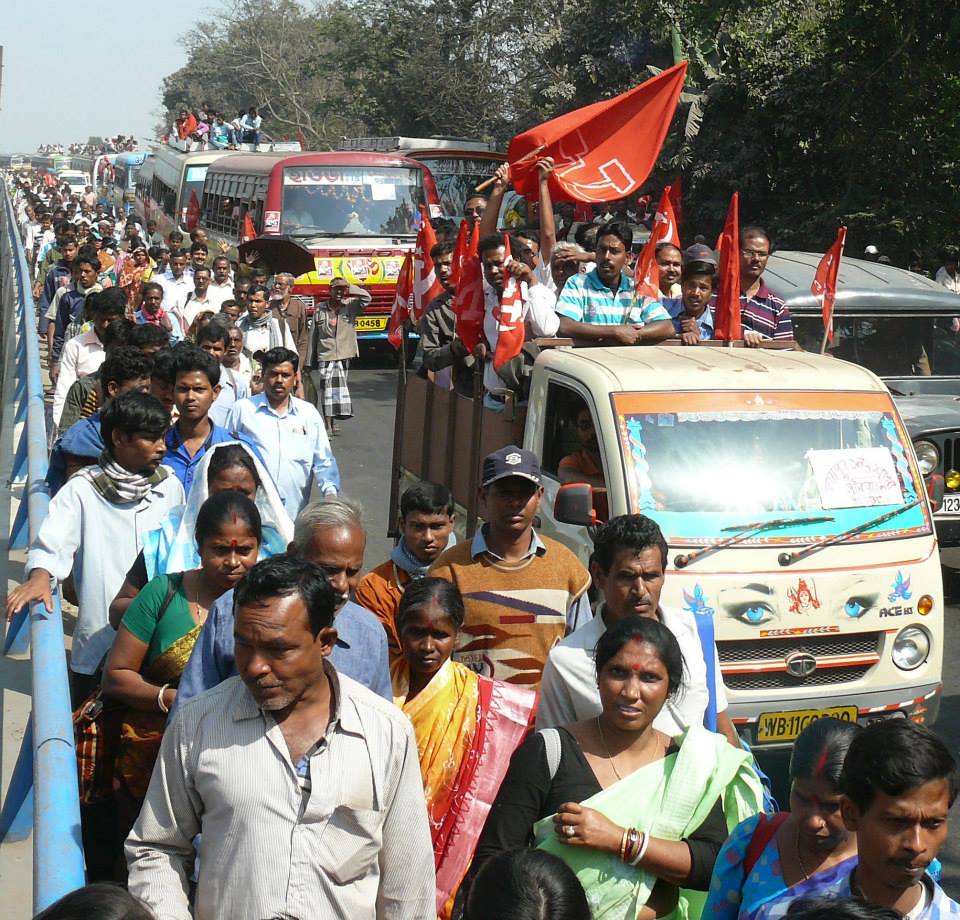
(564, 437)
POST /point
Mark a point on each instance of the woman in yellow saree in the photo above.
(639, 816)
(157, 635)
(466, 726)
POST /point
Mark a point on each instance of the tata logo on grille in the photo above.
(800, 664)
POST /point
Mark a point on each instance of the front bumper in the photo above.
(921, 706)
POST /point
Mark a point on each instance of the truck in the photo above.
(786, 486)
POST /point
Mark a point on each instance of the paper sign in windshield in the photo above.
(855, 478)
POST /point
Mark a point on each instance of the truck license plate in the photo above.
(785, 726)
(951, 505)
(371, 323)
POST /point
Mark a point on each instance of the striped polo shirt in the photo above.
(586, 299)
(766, 313)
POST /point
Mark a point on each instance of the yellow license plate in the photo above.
(785, 726)
(371, 323)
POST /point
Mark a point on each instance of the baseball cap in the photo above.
(698, 252)
(510, 461)
(871, 250)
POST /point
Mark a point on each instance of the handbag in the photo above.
(96, 731)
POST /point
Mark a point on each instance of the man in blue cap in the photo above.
(522, 593)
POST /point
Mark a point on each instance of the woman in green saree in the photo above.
(157, 635)
(638, 816)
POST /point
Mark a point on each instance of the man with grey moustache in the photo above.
(329, 533)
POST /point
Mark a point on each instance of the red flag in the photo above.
(676, 199)
(459, 253)
(664, 230)
(468, 300)
(509, 316)
(303, 143)
(824, 286)
(425, 283)
(604, 151)
(193, 212)
(249, 231)
(400, 311)
(726, 313)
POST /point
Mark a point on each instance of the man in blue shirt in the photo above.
(287, 433)
(691, 313)
(196, 383)
(600, 308)
(329, 533)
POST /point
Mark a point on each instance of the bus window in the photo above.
(351, 201)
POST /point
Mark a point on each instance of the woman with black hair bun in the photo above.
(770, 860)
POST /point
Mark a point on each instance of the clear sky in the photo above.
(76, 69)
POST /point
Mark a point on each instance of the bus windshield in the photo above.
(351, 200)
(700, 468)
(193, 182)
(457, 176)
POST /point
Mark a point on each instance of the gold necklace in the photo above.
(603, 741)
(803, 868)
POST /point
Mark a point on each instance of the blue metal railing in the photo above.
(46, 770)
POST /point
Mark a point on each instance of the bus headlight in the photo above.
(928, 457)
(911, 648)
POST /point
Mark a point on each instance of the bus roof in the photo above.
(419, 144)
(675, 368)
(262, 164)
(862, 287)
(134, 158)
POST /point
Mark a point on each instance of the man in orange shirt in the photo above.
(426, 530)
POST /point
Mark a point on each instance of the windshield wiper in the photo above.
(786, 559)
(743, 532)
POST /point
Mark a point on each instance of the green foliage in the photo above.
(819, 112)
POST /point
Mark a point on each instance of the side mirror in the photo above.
(574, 505)
(935, 489)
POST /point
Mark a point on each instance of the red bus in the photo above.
(354, 211)
(458, 165)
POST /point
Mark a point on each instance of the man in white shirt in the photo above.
(539, 316)
(947, 274)
(323, 815)
(84, 353)
(198, 299)
(221, 287)
(630, 556)
(96, 525)
(175, 283)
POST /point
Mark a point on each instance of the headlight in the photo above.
(928, 457)
(911, 648)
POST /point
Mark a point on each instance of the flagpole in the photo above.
(826, 335)
(398, 426)
(526, 158)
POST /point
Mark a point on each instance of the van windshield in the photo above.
(701, 462)
(890, 346)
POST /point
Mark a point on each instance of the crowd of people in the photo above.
(477, 729)
(119, 143)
